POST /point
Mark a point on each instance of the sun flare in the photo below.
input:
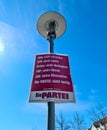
(1, 47)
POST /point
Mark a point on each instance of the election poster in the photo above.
(51, 81)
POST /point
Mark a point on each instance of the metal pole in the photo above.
(51, 105)
(51, 116)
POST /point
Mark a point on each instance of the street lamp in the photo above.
(51, 25)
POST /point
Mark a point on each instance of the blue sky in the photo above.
(85, 41)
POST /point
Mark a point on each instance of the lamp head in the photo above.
(51, 23)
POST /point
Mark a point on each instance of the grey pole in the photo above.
(51, 105)
(51, 116)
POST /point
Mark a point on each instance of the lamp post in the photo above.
(51, 25)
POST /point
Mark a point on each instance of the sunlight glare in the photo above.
(1, 47)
